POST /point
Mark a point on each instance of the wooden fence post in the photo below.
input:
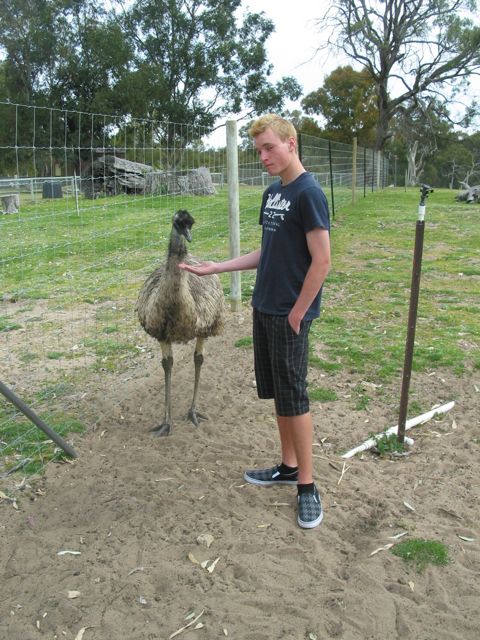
(233, 212)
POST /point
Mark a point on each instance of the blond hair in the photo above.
(283, 128)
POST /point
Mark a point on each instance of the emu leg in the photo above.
(166, 427)
(193, 416)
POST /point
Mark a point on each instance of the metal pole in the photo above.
(425, 190)
(331, 177)
(364, 171)
(354, 171)
(373, 170)
(75, 191)
(32, 416)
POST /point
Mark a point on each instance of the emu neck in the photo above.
(177, 249)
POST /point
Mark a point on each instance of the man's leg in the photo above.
(296, 437)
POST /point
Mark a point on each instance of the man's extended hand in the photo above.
(200, 269)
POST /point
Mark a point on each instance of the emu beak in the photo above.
(187, 234)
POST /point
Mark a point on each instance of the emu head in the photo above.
(182, 223)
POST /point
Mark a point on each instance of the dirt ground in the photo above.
(137, 511)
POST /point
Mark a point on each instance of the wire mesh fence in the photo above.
(88, 201)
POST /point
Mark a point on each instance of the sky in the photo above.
(293, 44)
(292, 47)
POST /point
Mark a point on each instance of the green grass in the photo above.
(420, 553)
(319, 394)
(29, 446)
(7, 325)
(247, 341)
(90, 267)
(367, 294)
(387, 443)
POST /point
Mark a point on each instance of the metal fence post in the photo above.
(364, 171)
(37, 421)
(331, 177)
(354, 171)
(233, 212)
(373, 170)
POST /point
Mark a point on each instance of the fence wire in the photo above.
(88, 201)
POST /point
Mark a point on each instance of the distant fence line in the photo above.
(37, 143)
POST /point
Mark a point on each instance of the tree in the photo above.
(347, 102)
(193, 62)
(27, 38)
(178, 60)
(459, 161)
(418, 126)
(304, 124)
(66, 54)
(422, 45)
(92, 56)
(457, 164)
(174, 61)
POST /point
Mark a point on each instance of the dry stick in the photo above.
(344, 470)
(186, 626)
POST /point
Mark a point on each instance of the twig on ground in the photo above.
(177, 633)
(344, 470)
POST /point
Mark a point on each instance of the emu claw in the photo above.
(164, 429)
(195, 417)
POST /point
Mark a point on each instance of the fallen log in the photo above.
(471, 194)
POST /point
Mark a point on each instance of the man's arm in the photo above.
(318, 241)
(242, 263)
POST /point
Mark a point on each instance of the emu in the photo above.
(176, 306)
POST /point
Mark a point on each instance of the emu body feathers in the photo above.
(177, 306)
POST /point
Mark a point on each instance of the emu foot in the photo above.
(164, 429)
(195, 417)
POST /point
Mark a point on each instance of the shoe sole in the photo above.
(312, 524)
(268, 483)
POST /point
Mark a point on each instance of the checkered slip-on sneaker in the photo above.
(310, 512)
(267, 477)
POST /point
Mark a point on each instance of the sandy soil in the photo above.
(133, 507)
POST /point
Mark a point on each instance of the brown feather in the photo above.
(176, 306)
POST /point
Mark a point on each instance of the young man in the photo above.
(291, 264)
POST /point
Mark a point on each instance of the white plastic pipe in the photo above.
(425, 417)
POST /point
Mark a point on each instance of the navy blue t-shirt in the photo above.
(287, 214)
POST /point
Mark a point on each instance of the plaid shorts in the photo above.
(281, 361)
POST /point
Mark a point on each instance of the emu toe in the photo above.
(164, 429)
(195, 417)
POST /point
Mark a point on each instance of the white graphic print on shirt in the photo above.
(274, 205)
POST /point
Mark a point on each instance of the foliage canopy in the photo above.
(423, 46)
(178, 60)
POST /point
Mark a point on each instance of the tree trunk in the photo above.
(11, 203)
(384, 115)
